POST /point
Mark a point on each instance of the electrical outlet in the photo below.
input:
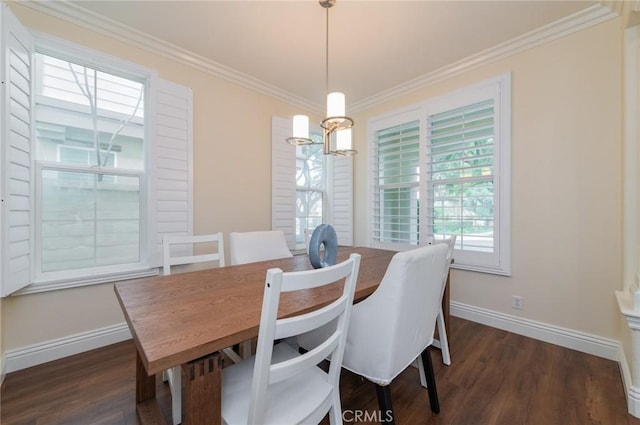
(516, 302)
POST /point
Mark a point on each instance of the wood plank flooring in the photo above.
(496, 378)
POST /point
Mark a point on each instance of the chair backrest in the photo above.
(181, 241)
(271, 328)
(390, 328)
(250, 247)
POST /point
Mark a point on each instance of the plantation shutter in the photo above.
(461, 175)
(171, 180)
(396, 184)
(283, 180)
(341, 201)
(16, 154)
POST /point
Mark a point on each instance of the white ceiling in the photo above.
(373, 45)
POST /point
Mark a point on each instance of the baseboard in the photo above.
(55, 349)
(3, 371)
(580, 341)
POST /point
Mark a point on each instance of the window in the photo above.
(96, 154)
(88, 205)
(441, 168)
(397, 198)
(308, 188)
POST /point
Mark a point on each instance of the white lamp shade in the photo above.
(301, 126)
(343, 140)
(335, 105)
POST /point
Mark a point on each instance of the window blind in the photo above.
(396, 192)
(460, 170)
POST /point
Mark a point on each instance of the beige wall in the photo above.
(232, 126)
(566, 182)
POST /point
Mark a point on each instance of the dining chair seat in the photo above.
(289, 400)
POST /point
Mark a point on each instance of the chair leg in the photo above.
(384, 404)
(444, 341)
(431, 381)
(175, 387)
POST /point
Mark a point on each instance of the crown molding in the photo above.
(84, 18)
(586, 18)
(87, 19)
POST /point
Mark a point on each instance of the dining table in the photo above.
(185, 319)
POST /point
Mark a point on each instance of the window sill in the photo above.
(481, 269)
(54, 285)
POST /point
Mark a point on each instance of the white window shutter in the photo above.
(283, 180)
(16, 153)
(341, 199)
(171, 179)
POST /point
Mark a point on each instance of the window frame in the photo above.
(500, 89)
(49, 45)
(315, 130)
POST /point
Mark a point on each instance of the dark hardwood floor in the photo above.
(495, 378)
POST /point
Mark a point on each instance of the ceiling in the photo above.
(373, 45)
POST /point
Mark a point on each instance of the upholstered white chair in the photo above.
(263, 245)
(395, 325)
(279, 385)
(177, 251)
(443, 342)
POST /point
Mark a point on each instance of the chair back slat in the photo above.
(170, 242)
(307, 322)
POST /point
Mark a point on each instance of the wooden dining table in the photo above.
(186, 319)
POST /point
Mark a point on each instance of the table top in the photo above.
(178, 318)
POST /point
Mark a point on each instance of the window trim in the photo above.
(500, 88)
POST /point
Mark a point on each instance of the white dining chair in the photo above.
(262, 245)
(279, 385)
(177, 250)
(395, 325)
(443, 342)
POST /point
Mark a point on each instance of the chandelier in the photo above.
(336, 135)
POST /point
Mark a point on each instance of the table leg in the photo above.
(145, 384)
(146, 403)
(202, 380)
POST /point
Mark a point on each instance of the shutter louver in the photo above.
(461, 175)
(17, 154)
(396, 185)
(172, 165)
